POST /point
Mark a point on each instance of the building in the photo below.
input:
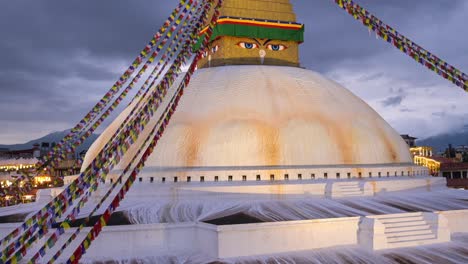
(410, 141)
(8, 165)
(461, 153)
(67, 167)
(456, 174)
(422, 151)
(434, 164)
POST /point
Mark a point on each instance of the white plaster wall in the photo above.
(236, 240)
(279, 173)
(225, 241)
(425, 183)
(274, 238)
(267, 189)
(144, 240)
(457, 220)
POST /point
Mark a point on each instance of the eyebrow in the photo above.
(266, 42)
(257, 41)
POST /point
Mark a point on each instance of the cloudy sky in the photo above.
(57, 58)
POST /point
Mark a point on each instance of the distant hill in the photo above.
(441, 142)
(52, 137)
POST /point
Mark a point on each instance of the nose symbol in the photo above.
(262, 54)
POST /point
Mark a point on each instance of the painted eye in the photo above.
(215, 49)
(247, 45)
(276, 47)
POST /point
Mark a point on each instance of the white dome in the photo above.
(270, 115)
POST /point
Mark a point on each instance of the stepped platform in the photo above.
(222, 221)
(255, 239)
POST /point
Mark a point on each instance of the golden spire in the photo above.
(255, 32)
(259, 9)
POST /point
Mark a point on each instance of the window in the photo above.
(202, 178)
(360, 174)
(380, 174)
(189, 179)
(337, 175)
(111, 181)
(465, 174)
(388, 174)
(163, 179)
(230, 178)
(140, 179)
(272, 177)
(244, 178)
(456, 175)
(396, 174)
(216, 178)
(175, 179)
(312, 176)
(325, 175)
(258, 178)
(446, 174)
(286, 177)
(402, 173)
(151, 179)
(370, 174)
(299, 176)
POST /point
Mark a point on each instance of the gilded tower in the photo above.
(255, 32)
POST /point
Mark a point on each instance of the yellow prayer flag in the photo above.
(65, 225)
(103, 222)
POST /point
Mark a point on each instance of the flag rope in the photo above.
(62, 205)
(65, 224)
(41, 213)
(95, 231)
(80, 133)
(404, 44)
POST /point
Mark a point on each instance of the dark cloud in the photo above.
(393, 101)
(59, 57)
(406, 110)
(439, 114)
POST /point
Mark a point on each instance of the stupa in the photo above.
(265, 161)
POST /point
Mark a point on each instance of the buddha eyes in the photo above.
(276, 47)
(247, 45)
(251, 45)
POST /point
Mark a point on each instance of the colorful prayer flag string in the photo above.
(81, 249)
(59, 201)
(420, 55)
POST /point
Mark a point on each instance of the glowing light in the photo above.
(42, 179)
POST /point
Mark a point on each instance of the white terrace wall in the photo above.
(225, 241)
(268, 174)
(279, 189)
(457, 220)
(230, 241)
(281, 237)
(277, 173)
